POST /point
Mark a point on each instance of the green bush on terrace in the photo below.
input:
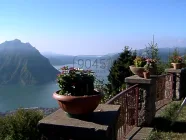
(163, 128)
(20, 126)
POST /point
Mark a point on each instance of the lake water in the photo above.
(13, 97)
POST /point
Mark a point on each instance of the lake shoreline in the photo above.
(45, 111)
(13, 97)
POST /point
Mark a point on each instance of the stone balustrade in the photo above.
(100, 125)
(179, 82)
(147, 92)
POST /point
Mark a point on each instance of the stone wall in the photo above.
(147, 97)
(179, 82)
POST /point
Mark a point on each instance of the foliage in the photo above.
(150, 63)
(155, 135)
(160, 135)
(139, 61)
(147, 63)
(120, 69)
(20, 126)
(184, 58)
(105, 89)
(161, 67)
(147, 67)
(163, 127)
(76, 82)
(170, 112)
(175, 57)
(152, 52)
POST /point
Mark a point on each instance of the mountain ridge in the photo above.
(21, 63)
(62, 59)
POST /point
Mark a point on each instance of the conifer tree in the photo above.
(120, 69)
(152, 52)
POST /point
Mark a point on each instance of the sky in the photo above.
(93, 27)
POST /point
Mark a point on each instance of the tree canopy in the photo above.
(120, 69)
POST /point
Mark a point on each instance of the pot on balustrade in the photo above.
(177, 65)
(137, 70)
(78, 105)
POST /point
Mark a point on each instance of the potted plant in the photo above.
(151, 65)
(176, 62)
(175, 59)
(147, 68)
(138, 67)
(77, 95)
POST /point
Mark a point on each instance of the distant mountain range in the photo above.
(164, 53)
(21, 63)
(57, 59)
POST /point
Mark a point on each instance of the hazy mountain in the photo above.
(21, 63)
(60, 59)
(164, 52)
(57, 59)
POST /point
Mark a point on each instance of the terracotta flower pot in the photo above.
(137, 70)
(176, 65)
(146, 75)
(78, 105)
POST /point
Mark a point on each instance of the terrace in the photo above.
(128, 115)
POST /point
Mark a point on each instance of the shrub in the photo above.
(20, 126)
(105, 89)
(155, 135)
(152, 52)
(161, 67)
(170, 112)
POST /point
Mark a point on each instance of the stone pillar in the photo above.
(179, 80)
(147, 97)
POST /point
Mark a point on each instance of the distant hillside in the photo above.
(57, 59)
(164, 52)
(21, 63)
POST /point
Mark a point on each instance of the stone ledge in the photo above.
(139, 133)
(98, 125)
(135, 79)
(171, 70)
